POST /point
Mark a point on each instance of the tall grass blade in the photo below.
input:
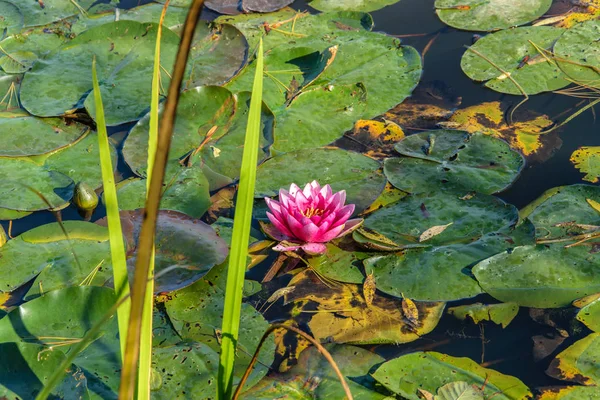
(240, 236)
(146, 237)
(145, 368)
(117, 246)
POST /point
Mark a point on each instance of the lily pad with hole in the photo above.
(489, 15)
(542, 276)
(355, 364)
(431, 370)
(186, 248)
(21, 182)
(59, 319)
(578, 53)
(46, 251)
(362, 181)
(193, 365)
(453, 159)
(124, 52)
(196, 313)
(512, 57)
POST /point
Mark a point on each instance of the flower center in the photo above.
(311, 212)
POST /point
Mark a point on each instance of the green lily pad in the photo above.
(577, 53)
(8, 214)
(186, 192)
(27, 367)
(590, 315)
(12, 18)
(579, 362)
(194, 367)
(489, 15)
(45, 251)
(304, 24)
(507, 50)
(444, 235)
(340, 265)
(174, 18)
(124, 52)
(68, 314)
(459, 391)
(350, 5)
(328, 166)
(196, 313)
(20, 51)
(445, 158)
(80, 161)
(355, 363)
(39, 13)
(25, 135)
(186, 249)
(564, 212)
(430, 370)
(56, 187)
(459, 219)
(335, 84)
(219, 150)
(542, 276)
(501, 314)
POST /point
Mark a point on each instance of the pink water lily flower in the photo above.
(307, 219)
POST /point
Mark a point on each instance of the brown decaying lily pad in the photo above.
(342, 315)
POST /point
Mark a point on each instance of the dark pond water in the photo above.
(509, 350)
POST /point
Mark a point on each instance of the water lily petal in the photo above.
(326, 191)
(294, 226)
(284, 231)
(329, 234)
(274, 231)
(314, 248)
(309, 233)
(294, 189)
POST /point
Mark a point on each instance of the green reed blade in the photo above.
(240, 236)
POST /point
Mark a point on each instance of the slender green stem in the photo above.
(240, 235)
(117, 246)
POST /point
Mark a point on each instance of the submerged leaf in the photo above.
(501, 314)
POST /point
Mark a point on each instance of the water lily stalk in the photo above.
(145, 368)
(146, 237)
(240, 236)
(117, 246)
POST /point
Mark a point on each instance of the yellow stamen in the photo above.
(310, 212)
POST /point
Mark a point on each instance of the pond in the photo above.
(463, 133)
